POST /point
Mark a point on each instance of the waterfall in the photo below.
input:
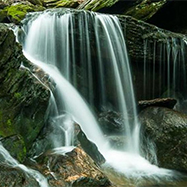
(85, 54)
(167, 67)
(67, 40)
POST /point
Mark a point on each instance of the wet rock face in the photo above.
(16, 146)
(44, 142)
(168, 130)
(75, 168)
(24, 99)
(15, 177)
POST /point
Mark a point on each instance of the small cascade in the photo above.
(10, 161)
(85, 54)
(164, 73)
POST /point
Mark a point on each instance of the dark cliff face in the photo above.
(24, 99)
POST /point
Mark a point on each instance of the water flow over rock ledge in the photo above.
(102, 61)
(105, 57)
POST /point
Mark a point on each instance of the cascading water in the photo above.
(10, 161)
(57, 46)
(164, 72)
(88, 50)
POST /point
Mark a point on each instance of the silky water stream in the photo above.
(85, 54)
(164, 74)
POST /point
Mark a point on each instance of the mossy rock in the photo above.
(16, 12)
(96, 5)
(145, 10)
(61, 3)
(15, 176)
(68, 4)
(15, 146)
(24, 100)
(3, 16)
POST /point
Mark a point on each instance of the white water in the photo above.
(50, 38)
(53, 45)
(9, 160)
(74, 104)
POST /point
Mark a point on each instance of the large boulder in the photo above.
(73, 167)
(24, 100)
(168, 130)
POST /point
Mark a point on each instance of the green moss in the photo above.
(16, 146)
(20, 150)
(17, 12)
(6, 127)
(9, 123)
(17, 95)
